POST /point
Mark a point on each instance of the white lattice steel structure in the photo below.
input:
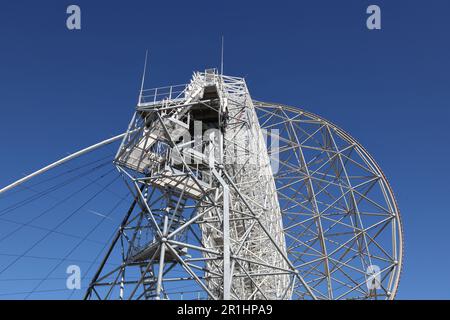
(240, 199)
(219, 210)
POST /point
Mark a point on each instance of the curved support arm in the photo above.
(61, 161)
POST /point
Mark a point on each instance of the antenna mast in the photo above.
(221, 59)
(143, 76)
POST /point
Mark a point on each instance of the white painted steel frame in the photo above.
(335, 213)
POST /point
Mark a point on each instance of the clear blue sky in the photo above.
(61, 90)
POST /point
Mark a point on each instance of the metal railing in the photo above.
(155, 95)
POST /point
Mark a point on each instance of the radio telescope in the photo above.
(240, 199)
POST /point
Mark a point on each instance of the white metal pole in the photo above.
(61, 161)
(226, 237)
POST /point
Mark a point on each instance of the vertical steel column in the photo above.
(226, 237)
(226, 244)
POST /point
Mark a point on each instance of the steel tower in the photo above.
(219, 209)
